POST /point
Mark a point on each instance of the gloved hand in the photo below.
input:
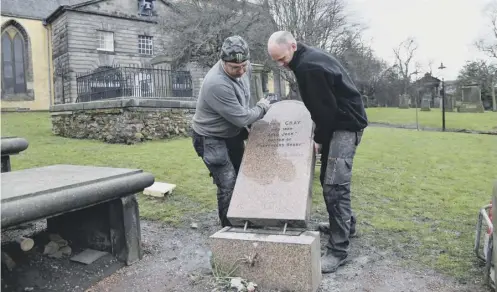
(264, 103)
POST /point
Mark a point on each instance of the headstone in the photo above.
(437, 102)
(449, 103)
(425, 102)
(403, 101)
(271, 205)
(471, 100)
(274, 184)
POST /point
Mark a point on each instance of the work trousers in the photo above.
(337, 157)
(223, 158)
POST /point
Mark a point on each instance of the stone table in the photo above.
(11, 146)
(94, 206)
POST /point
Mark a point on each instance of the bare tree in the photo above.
(490, 46)
(199, 27)
(320, 23)
(404, 55)
(364, 67)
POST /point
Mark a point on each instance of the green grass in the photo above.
(486, 121)
(417, 193)
(169, 161)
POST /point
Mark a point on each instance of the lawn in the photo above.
(486, 121)
(416, 193)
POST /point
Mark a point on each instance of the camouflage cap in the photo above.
(235, 49)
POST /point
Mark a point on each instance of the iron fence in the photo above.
(117, 82)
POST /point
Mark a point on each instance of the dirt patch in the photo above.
(35, 271)
(176, 259)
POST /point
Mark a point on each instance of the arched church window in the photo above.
(13, 61)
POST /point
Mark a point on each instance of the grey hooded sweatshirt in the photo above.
(223, 104)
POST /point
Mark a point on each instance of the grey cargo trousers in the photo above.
(223, 158)
(336, 173)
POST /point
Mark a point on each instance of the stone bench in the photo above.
(94, 207)
(11, 146)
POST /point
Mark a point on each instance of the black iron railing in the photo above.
(117, 82)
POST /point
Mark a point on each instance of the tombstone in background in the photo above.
(449, 103)
(437, 102)
(271, 206)
(425, 102)
(404, 101)
(471, 100)
(256, 90)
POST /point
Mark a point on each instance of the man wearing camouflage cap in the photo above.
(222, 117)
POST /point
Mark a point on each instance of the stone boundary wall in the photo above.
(124, 121)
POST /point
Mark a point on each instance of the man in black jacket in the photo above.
(338, 113)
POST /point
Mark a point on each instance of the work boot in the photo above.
(325, 228)
(330, 262)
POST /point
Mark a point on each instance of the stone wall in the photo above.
(125, 121)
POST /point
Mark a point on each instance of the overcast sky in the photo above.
(444, 29)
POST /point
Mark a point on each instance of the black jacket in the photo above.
(328, 92)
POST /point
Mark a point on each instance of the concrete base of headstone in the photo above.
(286, 262)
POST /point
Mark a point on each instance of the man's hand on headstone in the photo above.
(264, 103)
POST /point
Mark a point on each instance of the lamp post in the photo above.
(416, 97)
(443, 96)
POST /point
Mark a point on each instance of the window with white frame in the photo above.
(145, 45)
(105, 40)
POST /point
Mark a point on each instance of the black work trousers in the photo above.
(223, 158)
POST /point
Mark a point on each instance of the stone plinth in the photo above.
(11, 146)
(290, 262)
(274, 184)
(125, 121)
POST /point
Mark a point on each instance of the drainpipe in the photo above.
(49, 42)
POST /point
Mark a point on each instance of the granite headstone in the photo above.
(471, 100)
(274, 184)
(426, 102)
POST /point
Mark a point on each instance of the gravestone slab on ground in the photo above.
(274, 184)
(95, 207)
(159, 189)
